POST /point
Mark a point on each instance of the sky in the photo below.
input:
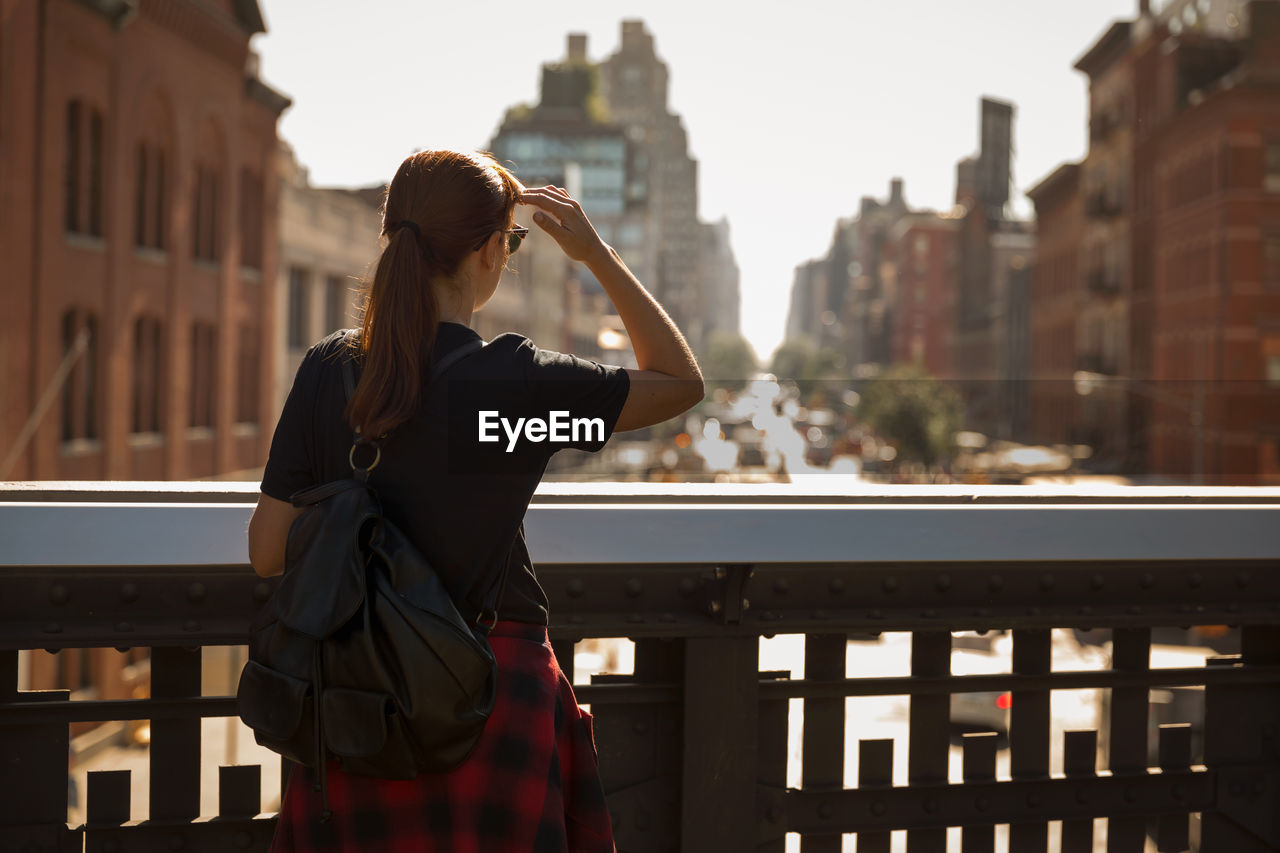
(794, 110)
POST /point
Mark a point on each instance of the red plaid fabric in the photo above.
(531, 786)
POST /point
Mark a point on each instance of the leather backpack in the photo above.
(361, 653)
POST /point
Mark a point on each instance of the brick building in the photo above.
(138, 227)
(1056, 285)
(137, 224)
(1207, 190)
(923, 249)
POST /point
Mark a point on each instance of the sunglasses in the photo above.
(515, 237)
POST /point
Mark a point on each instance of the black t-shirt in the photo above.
(459, 499)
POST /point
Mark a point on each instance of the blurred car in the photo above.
(975, 654)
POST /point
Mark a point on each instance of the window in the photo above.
(203, 344)
(147, 350)
(299, 307)
(82, 168)
(247, 373)
(250, 220)
(79, 385)
(1271, 361)
(204, 239)
(72, 168)
(149, 200)
(335, 300)
(1271, 174)
(1271, 260)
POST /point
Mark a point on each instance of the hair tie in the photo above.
(412, 226)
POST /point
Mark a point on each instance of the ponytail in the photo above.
(397, 335)
(437, 206)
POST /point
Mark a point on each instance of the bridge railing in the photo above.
(695, 743)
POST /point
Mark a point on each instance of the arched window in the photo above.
(147, 385)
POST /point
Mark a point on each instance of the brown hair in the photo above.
(452, 201)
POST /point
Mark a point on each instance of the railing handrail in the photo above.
(579, 526)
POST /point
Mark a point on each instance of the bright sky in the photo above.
(794, 110)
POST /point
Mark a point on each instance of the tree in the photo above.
(910, 408)
(812, 369)
(730, 361)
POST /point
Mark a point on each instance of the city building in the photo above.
(718, 277)
(1103, 303)
(1056, 288)
(138, 225)
(634, 85)
(1206, 203)
(922, 246)
(994, 253)
(329, 240)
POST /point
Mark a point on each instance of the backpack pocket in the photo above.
(271, 702)
(355, 721)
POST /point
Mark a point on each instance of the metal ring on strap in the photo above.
(377, 457)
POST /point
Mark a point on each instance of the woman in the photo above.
(532, 783)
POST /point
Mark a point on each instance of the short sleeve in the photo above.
(290, 461)
(588, 395)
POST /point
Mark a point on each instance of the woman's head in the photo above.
(442, 207)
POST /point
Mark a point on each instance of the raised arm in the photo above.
(668, 381)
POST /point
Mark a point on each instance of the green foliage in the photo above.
(729, 362)
(914, 411)
(815, 371)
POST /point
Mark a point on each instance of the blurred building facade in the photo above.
(138, 226)
(329, 240)
(139, 232)
(1176, 249)
(922, 255)
(604, 131)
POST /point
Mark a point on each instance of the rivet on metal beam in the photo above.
(878, 808)
(982, 803)
(1242, 579)
(123, 626)
(261, 592)
(1046, 581)
(1134, 610)
(1194, 579)
(781, 585)
(929, 614)
(575, 587)
(1130, 795)
(576, 619)
(836, 585)
(196, 592)
(1033, 611)
(825, 811)
(129, 592)
(1233, 608)
(634, 587)
(1097, 581)
(943, 583)
(635, 618)
(931, 805)
(1177, 793)
(1033, 799)
(191, 625)
(1082, 795)
(1148, 580)
(53, 628)
(890, 584)
(59, 594)
(667, 617)
(687, 586)
(995, 582)
(875, 614)
(1086, 611)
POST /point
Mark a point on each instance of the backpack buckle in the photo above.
(363, 473)
(493, 621)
